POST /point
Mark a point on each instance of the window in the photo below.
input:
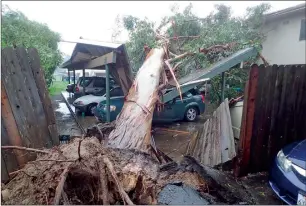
(85, 83)
(303, 30)
(99, 82)
(184, 96)
(116, 92)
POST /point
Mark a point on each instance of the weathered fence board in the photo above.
(25, 121)
(214, 144)
(31, 89)
(8, 158)
(14, 101)
(279, 115)
(43, 93)
(9, 127)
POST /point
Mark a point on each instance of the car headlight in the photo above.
(283, 162)
(111, 108)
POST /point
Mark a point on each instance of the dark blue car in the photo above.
(288, 174)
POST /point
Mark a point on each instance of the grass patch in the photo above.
(57, 87)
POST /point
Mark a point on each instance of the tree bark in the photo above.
(133, 124)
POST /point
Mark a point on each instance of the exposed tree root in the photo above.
(25, 148)
(60, 186)
(104, 176)
(111, 169)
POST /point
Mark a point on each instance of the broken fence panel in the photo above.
(214, 144)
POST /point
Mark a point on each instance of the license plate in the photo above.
(301, 200)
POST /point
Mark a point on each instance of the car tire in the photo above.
(191, 114)
(90, 109)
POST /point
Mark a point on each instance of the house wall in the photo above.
(282, 44)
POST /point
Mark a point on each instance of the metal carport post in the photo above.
(68, 76)
(107, 92)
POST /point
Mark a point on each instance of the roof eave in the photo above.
(285, 12)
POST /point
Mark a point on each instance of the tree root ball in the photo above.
(139, 175)
(86, 172)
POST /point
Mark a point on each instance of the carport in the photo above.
(111, 57)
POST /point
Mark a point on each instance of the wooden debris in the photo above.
(103, 182)
(215, 142)
(111, 169)
(60, 186)
(25, 148)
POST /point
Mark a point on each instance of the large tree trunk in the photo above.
(133, 124)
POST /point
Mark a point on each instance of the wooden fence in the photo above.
(27, 117)
(274, 114)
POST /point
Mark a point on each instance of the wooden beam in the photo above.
(94, 63)
(101, 61)
(244, 150)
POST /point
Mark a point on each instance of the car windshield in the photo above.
(85, 82)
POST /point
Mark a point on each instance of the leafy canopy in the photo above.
(18, 30)
(218, 28)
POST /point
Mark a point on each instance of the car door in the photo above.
(179, 105)
(165, 114)
(84, 82)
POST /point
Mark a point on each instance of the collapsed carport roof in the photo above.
(89, 54)
(190, 81)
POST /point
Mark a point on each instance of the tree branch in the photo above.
(180, 56)
(25, 148)
(174, 78)
(46, 160)
(103, 182)
(225, 46)
(172, 54)
(183, 37)
(79, 150)
(123, 194)
(263, 59)
(60, 186)
(177, 65)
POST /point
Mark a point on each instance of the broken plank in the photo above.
(41, 126)
(43, 91)
(9, 125)
(208, 143)
(217, 138)
(14, 101)
(205, 127)
(231, 141)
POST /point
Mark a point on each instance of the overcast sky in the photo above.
(96, 19)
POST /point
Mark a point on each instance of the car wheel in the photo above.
(90, 109)
(191, 114)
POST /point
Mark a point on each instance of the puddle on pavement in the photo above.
(63, 109)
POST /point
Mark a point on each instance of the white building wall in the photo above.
(282, 44)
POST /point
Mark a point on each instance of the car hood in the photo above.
(88, 99)
(297, 154)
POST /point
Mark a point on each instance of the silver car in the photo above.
(93, 85)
